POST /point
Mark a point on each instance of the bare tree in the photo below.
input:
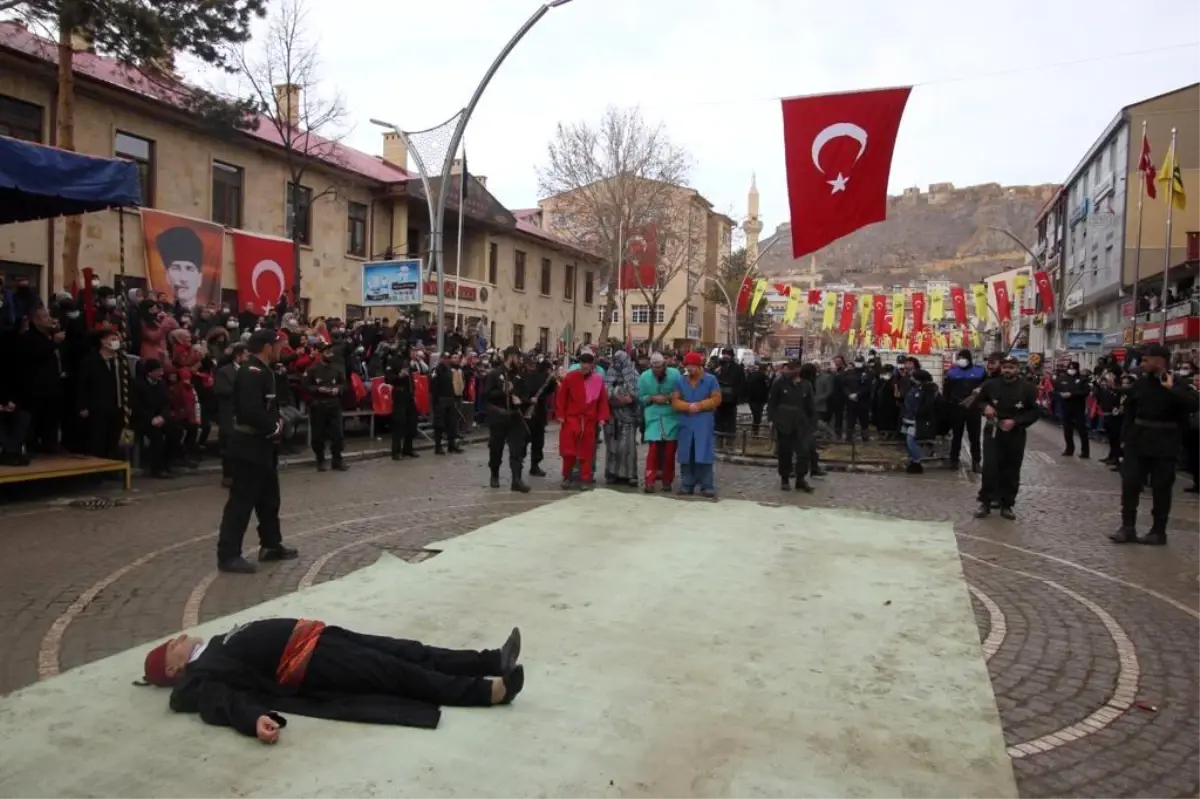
(609, 180)
(284, 80)
(144, 36)
(681, 239)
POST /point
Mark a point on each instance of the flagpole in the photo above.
(1137, 258)
(462, 202)
(1170, 210)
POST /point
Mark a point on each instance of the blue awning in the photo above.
(40, 182)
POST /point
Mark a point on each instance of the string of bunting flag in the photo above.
(919, 322)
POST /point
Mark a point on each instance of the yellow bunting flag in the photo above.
(937, 305)
(831, 304)
(979, 292)
(898, 313)
(975, 342)
(1170, 174)
(1020, 282)
(850, 337)
(760, 291)
(793, 306)
(864, 312)
(938, 341)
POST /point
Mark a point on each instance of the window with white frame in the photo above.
(616, 316)
(691, 314)
(640, 314)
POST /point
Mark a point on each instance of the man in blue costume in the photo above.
(696, 397)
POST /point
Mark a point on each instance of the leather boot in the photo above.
(495, 481)
(518, 484)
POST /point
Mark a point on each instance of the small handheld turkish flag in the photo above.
(838, 152)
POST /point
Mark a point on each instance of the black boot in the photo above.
(785, 484)
(1157, 537)
(976, 467)
(985, 510)
(267, 554)
(238, 565)
(519, 485)
(1006, 512)
(321, 467)
(454, 447)
(495, 481)
(1125, 534)
(340, 466)
(536, 471)
(802, 485)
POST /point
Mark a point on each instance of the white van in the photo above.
(743, 355)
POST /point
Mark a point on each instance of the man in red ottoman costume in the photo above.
(247, 677)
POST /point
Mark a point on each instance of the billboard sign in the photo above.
(392, 283)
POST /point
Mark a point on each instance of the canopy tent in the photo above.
(40, 182)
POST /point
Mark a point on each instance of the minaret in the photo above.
(753, 225)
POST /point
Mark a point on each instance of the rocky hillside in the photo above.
(942, 234)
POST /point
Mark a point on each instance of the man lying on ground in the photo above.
(247, 677)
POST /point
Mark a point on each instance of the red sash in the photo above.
(294, 662)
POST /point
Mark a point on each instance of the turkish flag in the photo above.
(381, 397)
(879, 312)
(639, 269)
(848, 304)
(743, 297)
(959, 300)
(264, 270)
(838, 152)
(814, 296)
(783, 290)
(1003, 305)
(1044, 291)
(918, 304)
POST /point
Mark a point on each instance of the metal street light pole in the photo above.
(1041, 267)
(733, 311)
(437, 212)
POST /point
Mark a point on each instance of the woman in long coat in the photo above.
(696, 396)
(620, 437)
(654, 390)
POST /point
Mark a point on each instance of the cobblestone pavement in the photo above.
(1092, 647)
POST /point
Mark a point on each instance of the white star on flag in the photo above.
(838, 183)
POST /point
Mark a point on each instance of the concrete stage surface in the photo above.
(672, 649)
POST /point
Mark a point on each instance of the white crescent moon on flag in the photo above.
(264, 267)
(834, 131)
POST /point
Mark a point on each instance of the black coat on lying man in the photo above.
(246, 678)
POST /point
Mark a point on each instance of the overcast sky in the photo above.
(708, 70)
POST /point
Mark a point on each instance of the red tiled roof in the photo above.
(14, 36)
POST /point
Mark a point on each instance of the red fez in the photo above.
(155, 668)
(693, 359)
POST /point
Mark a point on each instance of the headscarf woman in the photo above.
(620, 437)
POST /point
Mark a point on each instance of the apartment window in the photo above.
(20, 120)
(640, 314)
(493, 262)
(569, 287)
(545, 287)
(544, 339)
(518, 340)
(691, 315)
(141, 152)
(518, 270)
(616, 315)
(226, 194)
(356, 229)
(587, 339)
(589, 287)
(299, 213)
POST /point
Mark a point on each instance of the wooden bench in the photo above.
(49, 467)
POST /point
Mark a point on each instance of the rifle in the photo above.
(529, 409)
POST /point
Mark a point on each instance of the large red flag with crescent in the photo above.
(1003, 304)
(1044, 291)
(264, 270)
(959, 301)
(838, 153)
(744, 293)
(918, 304)
(879, 312)
(849, 303)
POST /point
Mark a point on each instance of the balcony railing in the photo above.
(1176, 311)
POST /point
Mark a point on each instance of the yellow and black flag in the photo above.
(1170, 173)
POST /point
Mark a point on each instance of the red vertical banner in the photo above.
(959, 300)
(814, 296)
(849, 303)
(879, 310)
(1003, 303)
(743, 297)
(918, 305)
(1044, 291)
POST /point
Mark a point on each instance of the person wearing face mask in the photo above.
(1108, 400)
(731, 376)
(505, 400)
(1074, 387)
(859, 385)
(42, 379)
(1010, 407)
(325, 384)
(958, 385)
(792, 411)
(103, 395)
(1156, 407)
(152, 419)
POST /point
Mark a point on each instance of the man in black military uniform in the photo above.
(1155, 407)
(540, 384)
(254, 461)
(446, 386)
(397, 373)
(325, 384)
(1010, 408)
(792, 409)
(859, 385)
(731, 376)
(505, 405)
(1074, 387)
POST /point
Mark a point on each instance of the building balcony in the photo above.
(1104, 188)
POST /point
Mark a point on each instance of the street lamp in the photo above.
(437, 211)
(733, 311)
